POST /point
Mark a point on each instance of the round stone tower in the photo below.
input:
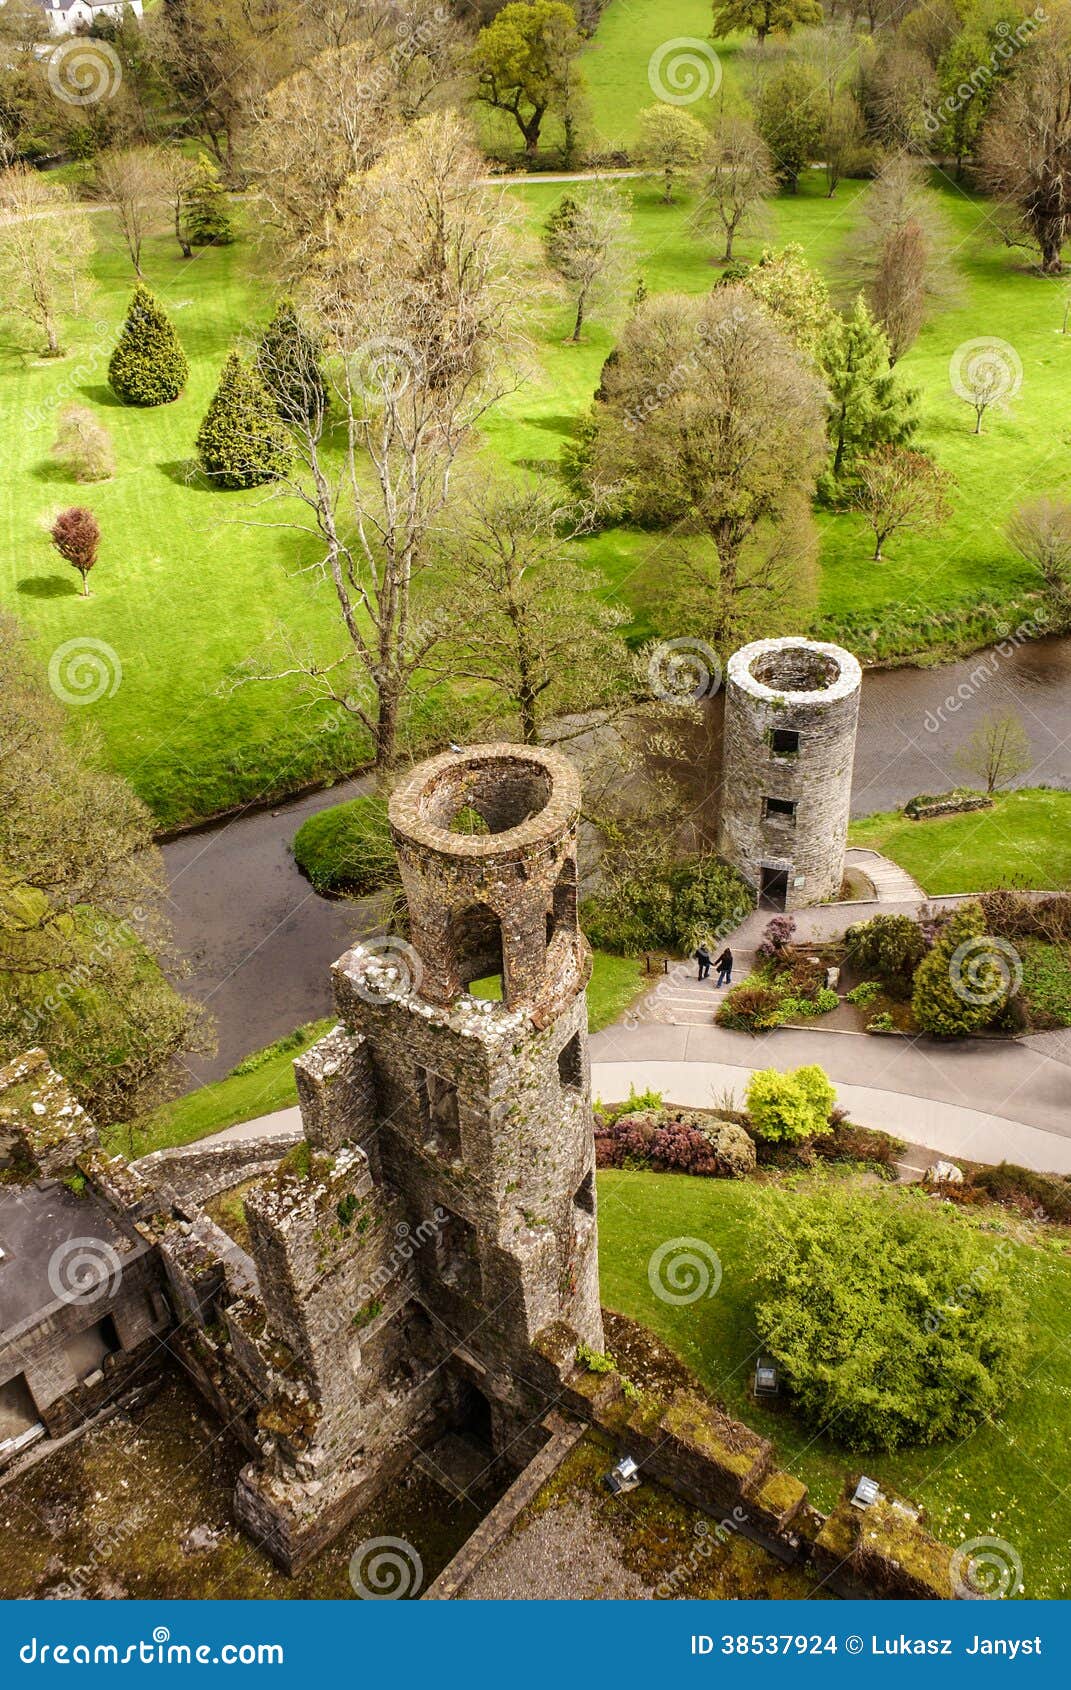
(486, 843)
(791, 711)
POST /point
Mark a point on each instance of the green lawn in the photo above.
(1011, 1480)
(616, 981)
(184, 591)
(266, 1085)
(1024, 840)
(188, 589)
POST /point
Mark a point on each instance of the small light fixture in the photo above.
(867, 1492)
(767, 1383)
(624, 1477)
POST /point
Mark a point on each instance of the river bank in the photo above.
(260, 942)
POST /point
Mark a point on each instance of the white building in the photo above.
(65, 16)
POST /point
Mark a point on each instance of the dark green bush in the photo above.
(891, 946)
(893, 1323)
(962, 986)
(669, 909)
(1022, 1187)
(148, 366)
(348, 848)
(288, 363)
(241, 442)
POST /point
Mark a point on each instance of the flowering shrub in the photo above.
(789, 1108)
(675, 1143)
(778, 932)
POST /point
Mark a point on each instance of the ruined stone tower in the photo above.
(441, 1212)
(791, 711)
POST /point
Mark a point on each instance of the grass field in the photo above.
(616, 981)
(991, 1484)
(265, 1085)
(1024, 840)
(184, 591)
(188, 588)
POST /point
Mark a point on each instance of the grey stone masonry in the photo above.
(440, 1211)
(791, 712)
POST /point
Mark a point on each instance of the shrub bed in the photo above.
(687, 1141)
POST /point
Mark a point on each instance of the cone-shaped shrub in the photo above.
(208, 221)
(288, 363)
(241, 441)
(148, 366)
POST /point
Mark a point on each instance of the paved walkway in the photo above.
(891, 883)
(989, 1100)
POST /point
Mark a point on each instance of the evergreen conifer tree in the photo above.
(208, 220)
(288, 363)
(241, 442)
(148, 366)
(868, 407)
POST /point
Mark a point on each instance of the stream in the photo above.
(260, 942)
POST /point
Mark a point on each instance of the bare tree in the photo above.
(901, 490)
(900, 251)
(737, 176)
(178, 172)
(420, 47)
(420, 306)
(526, 615)
(321, 126)
(844, 139)
(899, 95)
(83, 445)
(588, 244)
(133, 183)
(1025, 153)
(45, 245)
(1040, 531)
(996, 753)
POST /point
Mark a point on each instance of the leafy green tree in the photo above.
(790, 1108)
(790, 116)
(964, 983)
(891, 1322)
(794, 295)
(82, 890)
(868, 407)
(523, 61)
(148, 366)
(672, 142)
(207, 220)
(241, 442)
(289, 363)
(765, 17)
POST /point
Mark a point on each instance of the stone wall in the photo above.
(791, 711)
(199, 1171)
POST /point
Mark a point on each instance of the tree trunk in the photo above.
(579, 324)
(728, 255)
(186, 248)
(527, 713)
(1051, 259)
(53, 348)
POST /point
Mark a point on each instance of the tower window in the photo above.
(584, 1196)
(779, 809)
(571, 1064)
(439, 1111)
(784, 742)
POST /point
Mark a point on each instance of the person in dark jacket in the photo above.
(702, 957)
(725, 968)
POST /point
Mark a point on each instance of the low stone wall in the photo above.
(199, 1171)
(925, 807)
(718, 1464)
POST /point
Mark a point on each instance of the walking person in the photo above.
(725, 968)
(702, 957)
